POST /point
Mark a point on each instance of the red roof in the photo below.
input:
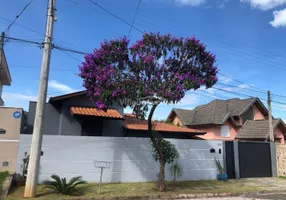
(91, 111)
(133, 123)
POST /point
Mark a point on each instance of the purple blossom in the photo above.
(115, 70)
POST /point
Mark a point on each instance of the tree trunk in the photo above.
(161, 181)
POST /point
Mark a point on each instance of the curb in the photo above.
(177, 196)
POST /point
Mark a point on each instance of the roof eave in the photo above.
(66, 96)
(255, 100)
(175, 111)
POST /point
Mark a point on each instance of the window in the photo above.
(5, 164)
(248, 115)
(2, 131)
(225, 132)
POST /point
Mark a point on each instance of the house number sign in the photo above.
(17, 114)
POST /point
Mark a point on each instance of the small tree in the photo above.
(157, 68)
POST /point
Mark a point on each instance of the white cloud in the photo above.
(189, 99)
(224, 79)
(264, 4)
(10, 96)
(279, 18)
(55, 85)
(190, 2)
(18, 100)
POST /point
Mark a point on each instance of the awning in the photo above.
(91, 111)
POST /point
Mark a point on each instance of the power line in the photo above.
(241, 94)
(25, 27)
(240, 81)
(25, 7)
(134, 18)
(116, 16)
(241, 52)
(26, 41)
(70, 55)
(242, 88)
(41, 44)
(37, 32)
(260, 90)
(52, 69)
(70, 50)
(264, 53)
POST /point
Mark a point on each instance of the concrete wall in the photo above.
(131, 158)
(59, 121)
(9, 141)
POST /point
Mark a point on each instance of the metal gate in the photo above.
(254, 159)
(230, 170)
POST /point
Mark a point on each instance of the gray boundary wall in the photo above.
(131, 158)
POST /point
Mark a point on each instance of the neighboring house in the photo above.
(255, 130)
(74, 114)
(10, 123)
(225, 119)
(5, 77)
(10, 129)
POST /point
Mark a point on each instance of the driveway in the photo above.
(273, 188)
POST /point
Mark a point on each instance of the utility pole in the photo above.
(2, 43)
(1, 47)
(1, 52)
(271, 134)
(35, 152)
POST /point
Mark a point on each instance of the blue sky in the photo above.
(248, 37)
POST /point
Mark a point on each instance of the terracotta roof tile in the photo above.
(90, 111)
(138, 124)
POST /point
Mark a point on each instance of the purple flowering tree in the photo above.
(157, 68)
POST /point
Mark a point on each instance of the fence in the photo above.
(250, 159)
(131, 158)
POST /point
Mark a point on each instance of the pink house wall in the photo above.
(279, 135)
(214, 132)
(176, 120)
(257, 113)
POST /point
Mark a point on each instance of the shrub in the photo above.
(62, 186)
(24, 166)
(219, 166)
(176, 170)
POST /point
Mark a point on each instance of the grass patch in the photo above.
(283, 177)
(142, 189)
(3, 176)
